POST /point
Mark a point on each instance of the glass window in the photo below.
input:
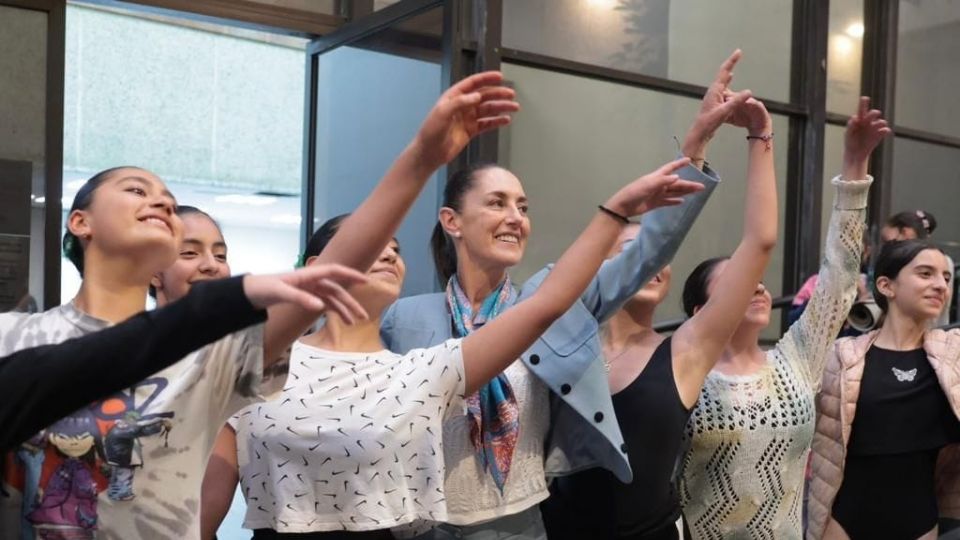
(928, 66)
(361, 129)
(566, 174)
(844, 55)
(23, 155)
(925, 178)
(832, 165)
(218, 117)
(683, 40)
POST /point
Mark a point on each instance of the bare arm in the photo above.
(219, 483)
(474, 105)
(497, 344)
(697, 344)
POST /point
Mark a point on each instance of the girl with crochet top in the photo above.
(749, 434)
(656, 380)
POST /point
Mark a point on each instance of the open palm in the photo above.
(473, 106)
(661, 187)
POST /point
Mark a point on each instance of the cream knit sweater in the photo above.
(749, 436)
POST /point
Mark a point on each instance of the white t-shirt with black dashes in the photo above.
(354, 441)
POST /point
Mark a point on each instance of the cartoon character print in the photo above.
(63, 469)
(66, 495)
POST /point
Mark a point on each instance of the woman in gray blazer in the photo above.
(550, 414)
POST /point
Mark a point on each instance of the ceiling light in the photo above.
(855, 30)
(843, 45)
(602, 3)
(247, 200)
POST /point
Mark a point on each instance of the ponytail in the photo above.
(444, 254)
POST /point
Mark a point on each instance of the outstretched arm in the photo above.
(665, 229)
(497, 344)
(697, 344)
(836, 289)
(46, 383)
(473, 106)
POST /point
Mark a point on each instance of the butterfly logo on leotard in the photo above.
(905, 375)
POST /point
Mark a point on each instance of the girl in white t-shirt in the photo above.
(353, 445)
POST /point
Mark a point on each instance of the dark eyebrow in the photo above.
(143, 181)
(199, 243)
(925, 267)
(504, 194)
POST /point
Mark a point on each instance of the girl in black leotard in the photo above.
(886, 449)
(657, 381)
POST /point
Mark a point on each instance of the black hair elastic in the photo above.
(615, 215)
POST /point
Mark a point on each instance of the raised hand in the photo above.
(472, 106)
(750, 114)
(718, 104)
(865, 129)
(660, 188)
(316, 288)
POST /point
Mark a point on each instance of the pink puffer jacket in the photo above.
(837, 405)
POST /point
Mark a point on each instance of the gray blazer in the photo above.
(567, 357)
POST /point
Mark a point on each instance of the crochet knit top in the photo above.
(748, 437)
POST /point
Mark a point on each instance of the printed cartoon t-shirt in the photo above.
(129, 466)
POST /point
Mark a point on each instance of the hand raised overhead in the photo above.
(865, 129)
(473, 106)
(718, 103)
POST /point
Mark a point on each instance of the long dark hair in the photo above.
(444, 254)
(320, 238)
(695, 287)
(893, 257)
(72, 247)
(922, 223)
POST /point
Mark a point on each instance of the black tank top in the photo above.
(594, 504)
(902, 421)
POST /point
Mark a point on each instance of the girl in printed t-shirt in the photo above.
(144, 448)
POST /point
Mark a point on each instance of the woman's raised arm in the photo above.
(473, 106)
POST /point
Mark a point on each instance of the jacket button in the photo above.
(565, 389)
(598, 417)
(623, 448)
(534, 359)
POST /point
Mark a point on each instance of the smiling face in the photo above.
(655, 290)
(131, 216)
(921, 289)
(492, 226)
(203, 257)
(760, 307)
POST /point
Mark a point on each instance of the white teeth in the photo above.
(157, 221)
(508, 238)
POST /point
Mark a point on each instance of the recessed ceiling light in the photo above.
(855, 30)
